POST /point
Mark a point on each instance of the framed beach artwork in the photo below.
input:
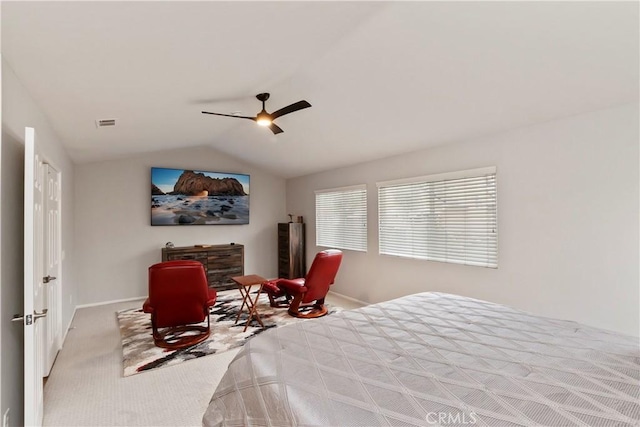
(193, 197)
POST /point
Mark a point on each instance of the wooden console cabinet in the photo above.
(291, 252)
(221, 262)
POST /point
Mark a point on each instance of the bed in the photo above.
(431, 359)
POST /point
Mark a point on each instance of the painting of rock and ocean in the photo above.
(191, 197)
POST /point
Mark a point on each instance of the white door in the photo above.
(52, 249)
(33, 287)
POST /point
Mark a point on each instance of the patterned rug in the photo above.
(140, 354)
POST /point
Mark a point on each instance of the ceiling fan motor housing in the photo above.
(262, 96)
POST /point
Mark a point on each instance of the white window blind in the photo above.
(341, 218)
(446, 217)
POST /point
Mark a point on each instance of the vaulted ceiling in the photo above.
(384, 78)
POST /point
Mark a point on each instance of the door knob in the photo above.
(37, 315)
(30, 318)
(47, 278)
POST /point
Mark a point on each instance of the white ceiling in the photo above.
(384, 78)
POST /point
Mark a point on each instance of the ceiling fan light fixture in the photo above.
(263, 118)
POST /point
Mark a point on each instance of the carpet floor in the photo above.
(86, 386)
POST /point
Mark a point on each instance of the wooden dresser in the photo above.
(291, 252)
(221, 262)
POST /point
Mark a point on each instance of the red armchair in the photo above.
(308, 291)
(179, 298)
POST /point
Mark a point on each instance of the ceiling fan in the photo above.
(266, 119)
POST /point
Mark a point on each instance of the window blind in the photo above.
(341, 218)
(446, 217)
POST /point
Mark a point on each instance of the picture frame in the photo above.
(195, 197)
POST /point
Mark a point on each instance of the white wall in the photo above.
(568, 211)
(117, 243)
(20, 110)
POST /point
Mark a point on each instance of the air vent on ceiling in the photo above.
(105, 122)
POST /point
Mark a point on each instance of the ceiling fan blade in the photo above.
(290, 109)
(229, 115)
(275, 128)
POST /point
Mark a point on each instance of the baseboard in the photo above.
(66, 331)
(96, 304)
(349, 298)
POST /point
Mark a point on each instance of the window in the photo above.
(447, 217)
(341, 218)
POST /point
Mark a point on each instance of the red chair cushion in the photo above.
(271, 287)
(213, 294)
(292, 286)
(322, 274)
(178, 293)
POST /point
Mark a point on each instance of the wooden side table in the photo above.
(244, 285)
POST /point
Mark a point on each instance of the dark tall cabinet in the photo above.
(291, 253)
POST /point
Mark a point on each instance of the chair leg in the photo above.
(273, 302)
(295, 305)
(154, 328)
(160, 338)
(319, 309)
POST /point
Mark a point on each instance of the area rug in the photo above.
(140, 354)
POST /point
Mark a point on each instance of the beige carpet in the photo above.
(86, 387)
